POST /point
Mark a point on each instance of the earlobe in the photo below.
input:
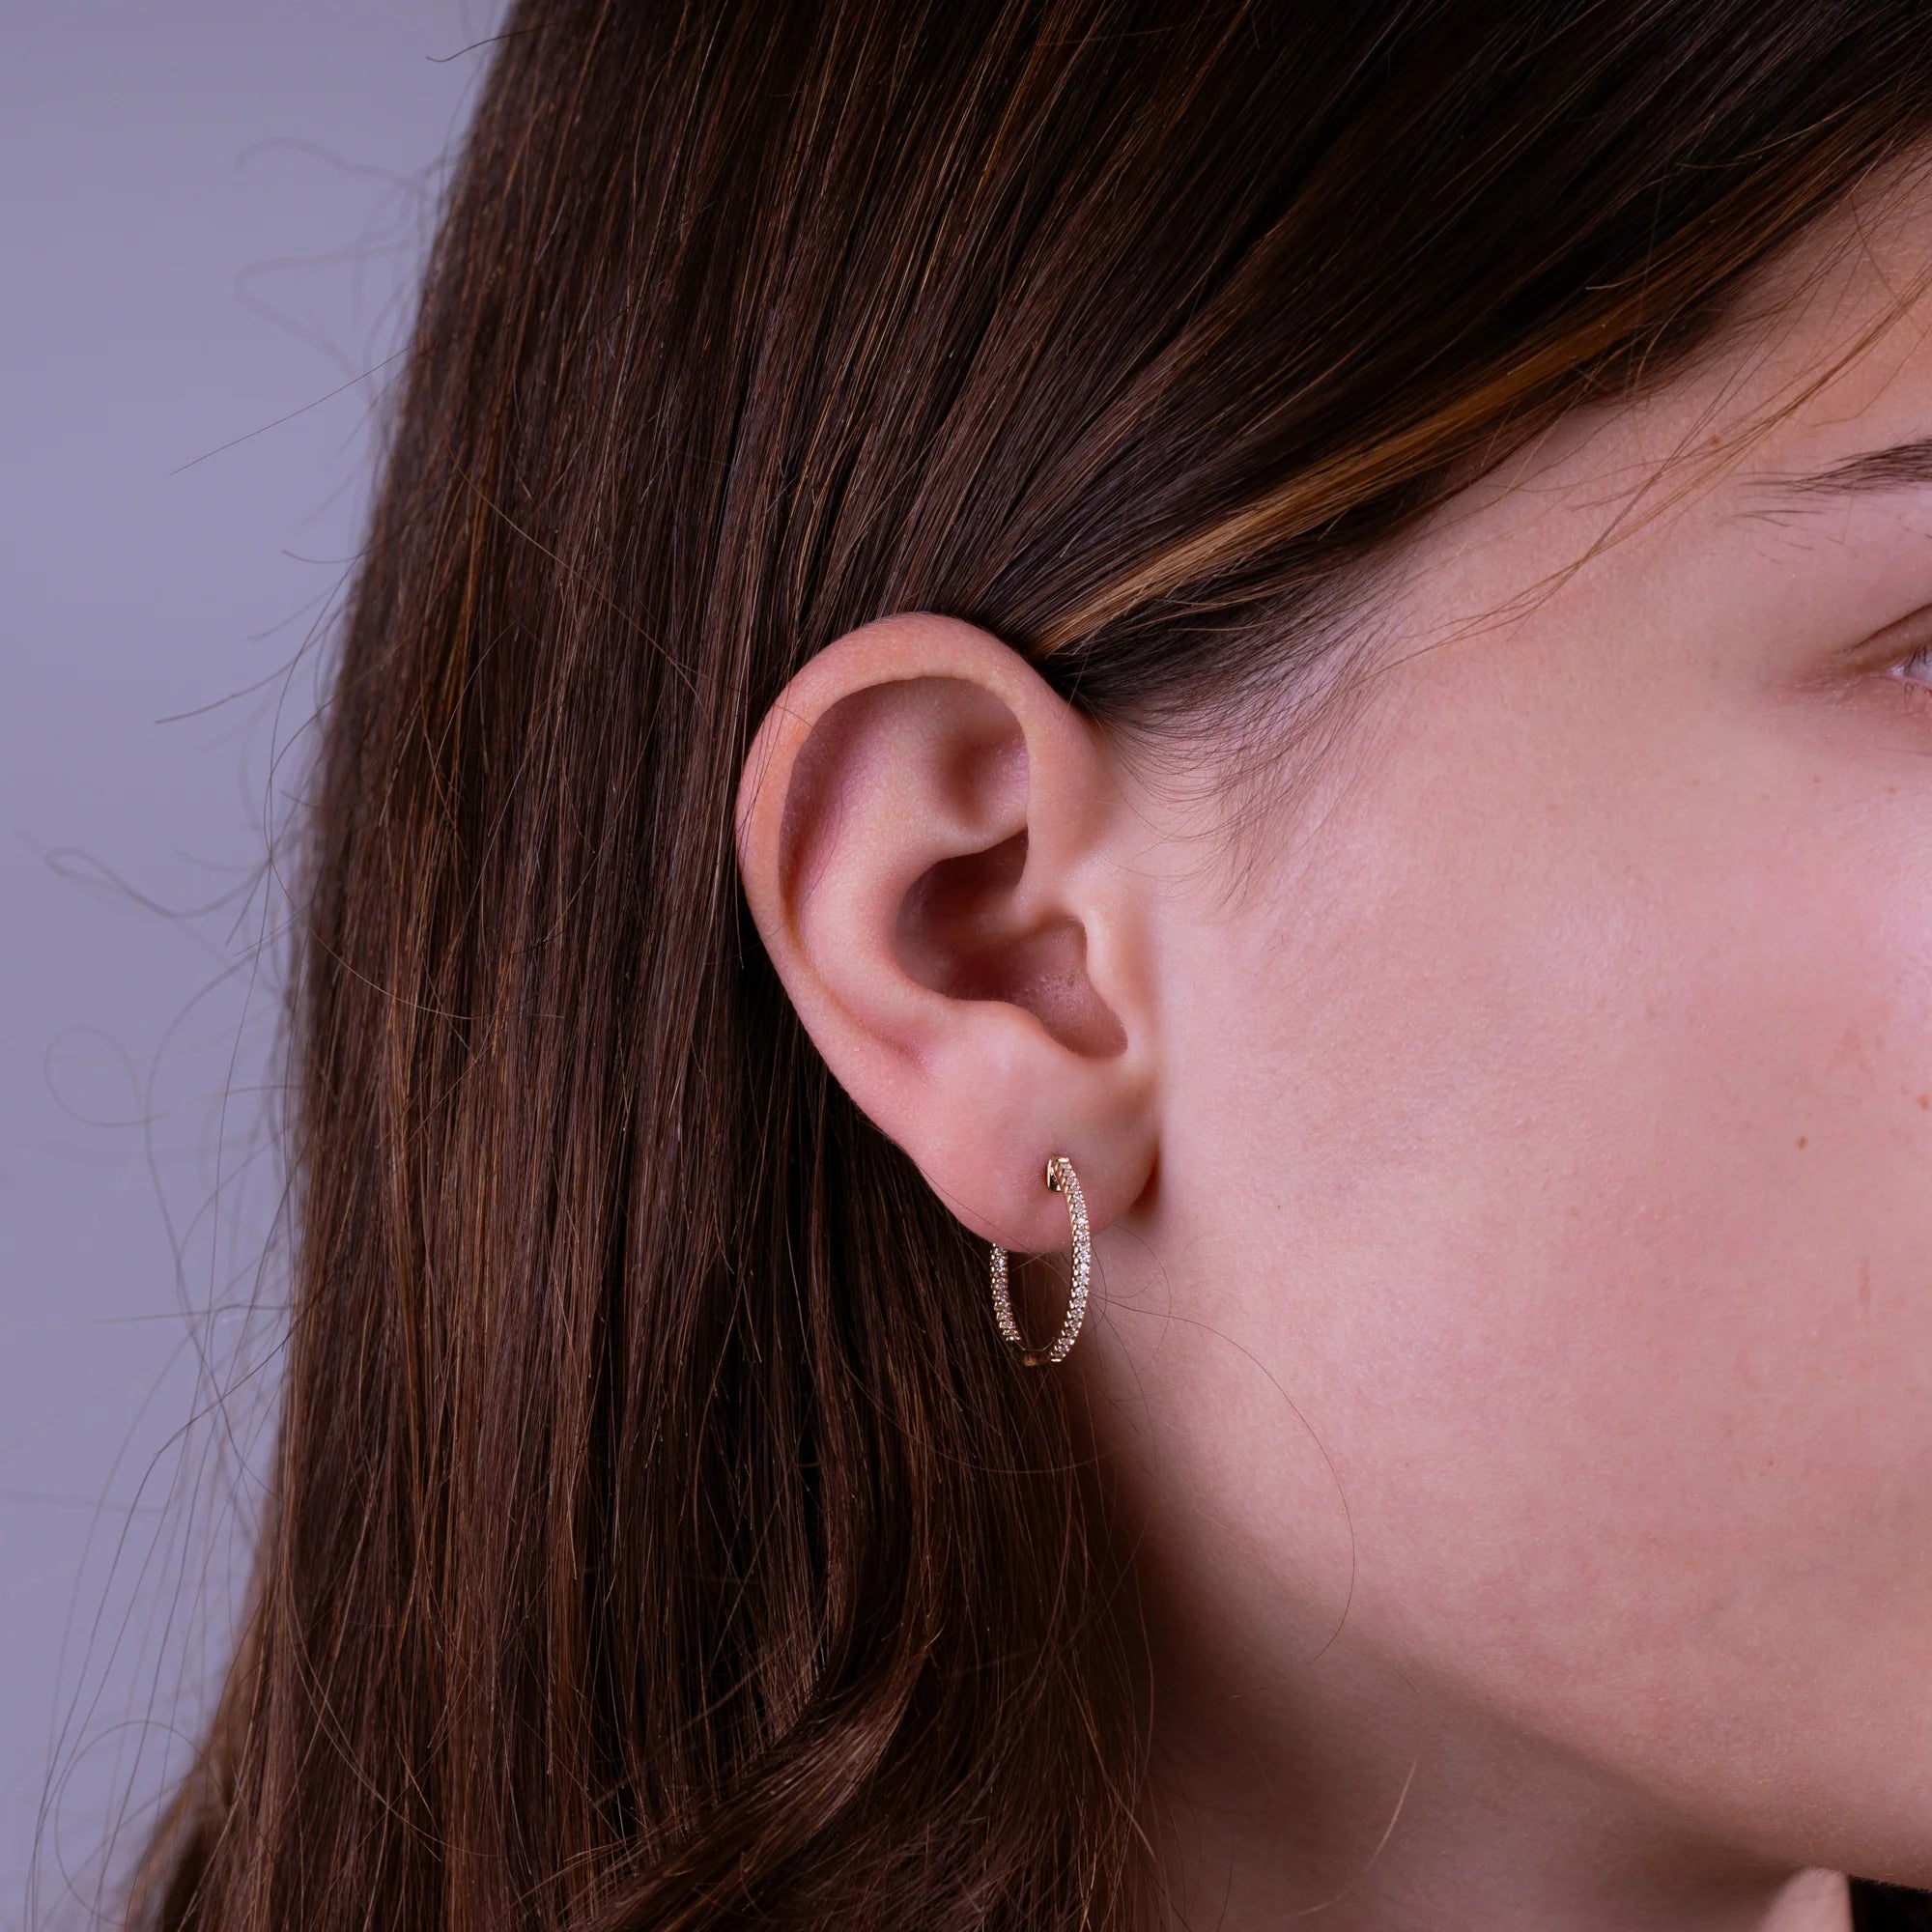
(928, 839)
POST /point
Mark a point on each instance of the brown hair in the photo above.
(660, 1535)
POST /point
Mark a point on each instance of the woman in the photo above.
(1293, 637)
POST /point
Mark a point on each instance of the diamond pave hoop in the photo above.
(1060, 1176)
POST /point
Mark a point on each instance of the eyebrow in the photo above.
(1900, 465)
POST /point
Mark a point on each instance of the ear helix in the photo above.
(1060, 1176)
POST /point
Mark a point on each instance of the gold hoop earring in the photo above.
(1060, 1176)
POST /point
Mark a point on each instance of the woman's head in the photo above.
(1510, 1184)
(1215, 590)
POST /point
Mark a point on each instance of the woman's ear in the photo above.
(939, 856)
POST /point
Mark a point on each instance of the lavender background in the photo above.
(211, 219)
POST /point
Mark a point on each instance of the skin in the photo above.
(1510, 1339)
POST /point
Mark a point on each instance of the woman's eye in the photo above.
(1915, 673)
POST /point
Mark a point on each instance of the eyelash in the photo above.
(1921, 693)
